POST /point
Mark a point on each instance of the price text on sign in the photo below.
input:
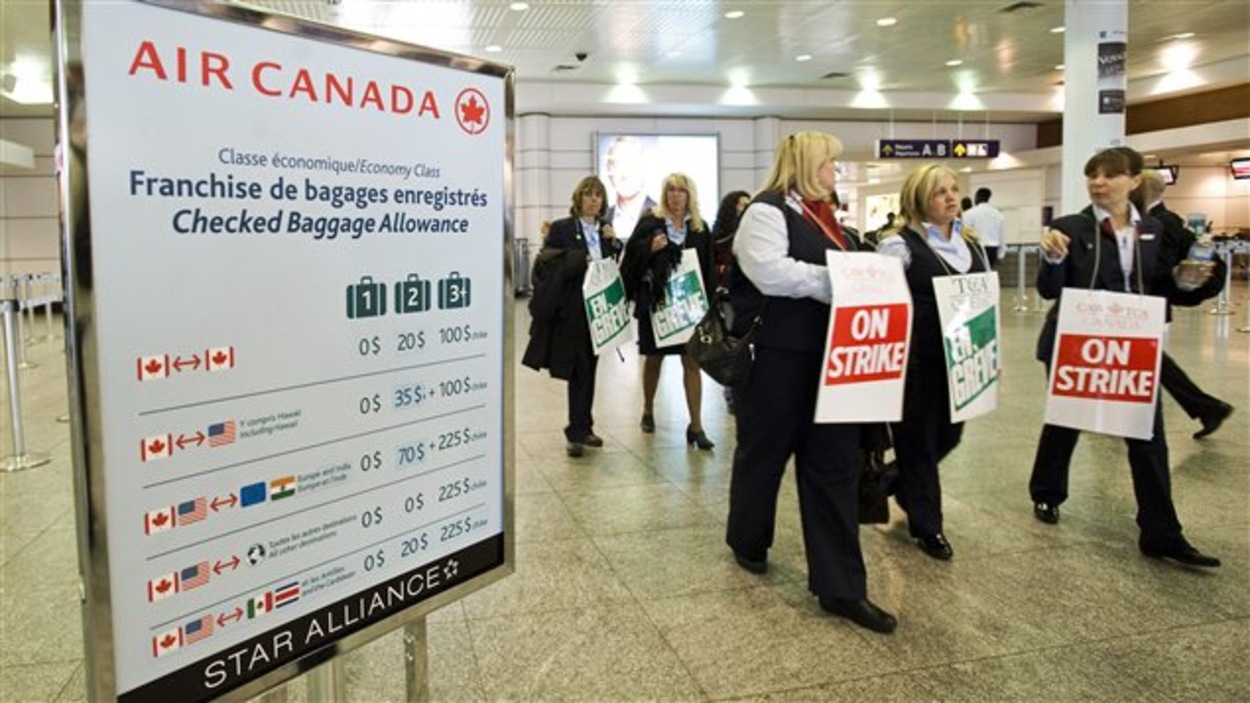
(1105, 368)
(869, 343)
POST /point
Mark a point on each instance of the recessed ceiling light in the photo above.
(1182, 35)
(734, 14)
(1059, 67)
(955, 62)
(494, 48)
(803, 57)
(519, 6)
(966, 169)
(887, 22)
(1056, 30)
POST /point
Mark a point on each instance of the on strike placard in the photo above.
(869, 334)
(1104, 374)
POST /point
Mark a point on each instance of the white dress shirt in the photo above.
(762, 247)
(986, 222)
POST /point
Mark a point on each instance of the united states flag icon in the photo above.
(221, 433)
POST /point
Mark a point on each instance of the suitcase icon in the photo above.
(366, 299)
(453, 291)
(412, 295)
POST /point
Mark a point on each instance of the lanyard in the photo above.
(835, 237)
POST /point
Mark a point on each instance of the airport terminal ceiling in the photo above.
(800, 59)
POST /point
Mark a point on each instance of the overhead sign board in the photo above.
(913, 148)
(974, 148)
(937, 148)
(294, 416)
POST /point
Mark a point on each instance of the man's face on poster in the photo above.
(625, 169)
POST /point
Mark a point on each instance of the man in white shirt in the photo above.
(987, 223)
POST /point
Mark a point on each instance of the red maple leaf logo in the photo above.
(168, 641)
(471, 111)
(154, 366)
(156, 447)
(474, 111)
(220, 358)
(165, 584)
(160, 519)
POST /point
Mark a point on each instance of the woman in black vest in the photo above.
(1110, 245)
(781, 274)
(652, 254)
(930, 240)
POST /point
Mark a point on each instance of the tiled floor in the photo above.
(624, 589)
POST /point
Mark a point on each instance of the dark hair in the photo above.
(983, 195)
(587, 186)
(1116, 161)
(727, 215)
(965, 203)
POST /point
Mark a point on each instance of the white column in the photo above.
(767, 136)
(533, 175)
(1095, 53)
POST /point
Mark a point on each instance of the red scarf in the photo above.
(820, 213)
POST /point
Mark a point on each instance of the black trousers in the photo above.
(581, 393)
(775, 408)
(991, 253)
(1148, 462)
(1187, 394)
(921, 441)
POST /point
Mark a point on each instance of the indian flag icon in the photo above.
(282, 488)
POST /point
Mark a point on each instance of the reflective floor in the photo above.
(625, 590)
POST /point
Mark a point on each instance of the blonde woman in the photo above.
(930, 239)
(652, 254)
(780, 249)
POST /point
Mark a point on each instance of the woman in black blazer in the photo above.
(559, 332)
(1110, 245)
(653, 253)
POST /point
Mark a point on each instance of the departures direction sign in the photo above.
(297, 340)
(937, 148)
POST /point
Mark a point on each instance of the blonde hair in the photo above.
(917, 190)
(684, 182)
(797, 162)
(1150, 189)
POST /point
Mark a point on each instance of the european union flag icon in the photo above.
(252, 494)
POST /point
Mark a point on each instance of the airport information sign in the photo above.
(296, 350)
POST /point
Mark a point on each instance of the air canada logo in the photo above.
(472, 111)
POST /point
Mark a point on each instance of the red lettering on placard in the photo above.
(868, 343)
(1106, 368)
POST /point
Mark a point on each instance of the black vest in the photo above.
(927, 264)
(798, 324)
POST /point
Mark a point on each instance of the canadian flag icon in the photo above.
(167, 642)
(219, 358)
(158, 447)
(151, 368)
(163, 586)
(158, 520)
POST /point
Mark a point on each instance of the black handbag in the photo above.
(877, 478)
(721, 355)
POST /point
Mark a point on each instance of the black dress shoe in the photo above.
(860, 611)
(1212, 420)
(593, 440)
(936, 546)
(755, 566)
(1184, 554)
(698, 439)
(1046, 512)
(647, 423)
(575, 449)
